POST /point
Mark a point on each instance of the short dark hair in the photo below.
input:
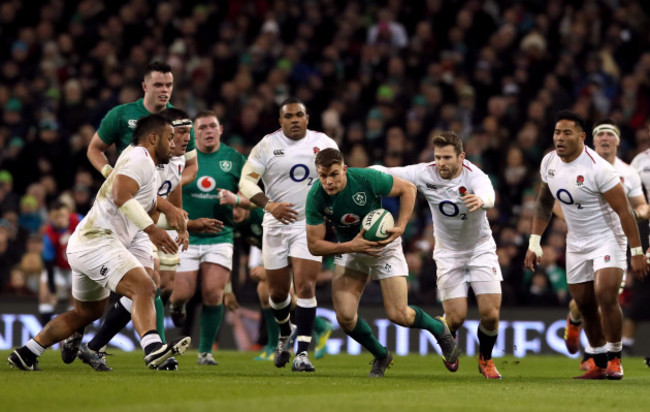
(291, 100)
(328, 157)
(157, 66)
(148, 124)
(570, 116)
(58, 204)
(448, 138)
(205, 113)
(174, 113)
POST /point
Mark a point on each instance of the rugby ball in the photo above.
(376, 223)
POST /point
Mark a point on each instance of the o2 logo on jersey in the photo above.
(450, 209)
(132, 123)
(165, 188)
(565, 197)
(300, 173)
(206, 183)
(350, 219)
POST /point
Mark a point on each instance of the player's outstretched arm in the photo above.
(97, 155)
(543, 214)
(619, 203)
(190, 171)
(407, 193)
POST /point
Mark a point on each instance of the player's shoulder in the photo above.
(642, 157)
(321, 137)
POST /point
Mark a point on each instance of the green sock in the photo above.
(210, 322)
(272, 328)
(160, 316)
(424, 321)
(362, 333)
(320, 325)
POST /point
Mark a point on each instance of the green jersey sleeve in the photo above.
(380, 182)
(312, 214)
(109, 128)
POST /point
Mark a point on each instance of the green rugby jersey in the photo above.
(346, 209)
(251, 229)
(219, 170)
(119, 123)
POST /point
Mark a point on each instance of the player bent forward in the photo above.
(112, 224)
(343, 196)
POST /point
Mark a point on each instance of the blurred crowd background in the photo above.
(377, 76)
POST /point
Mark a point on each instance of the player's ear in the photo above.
(345, 168)
(461, 156)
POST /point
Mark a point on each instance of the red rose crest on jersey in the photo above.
(316, 150)
(607, 258)
(350, 219)
(462, 190)
(622, 179)
(580, 180)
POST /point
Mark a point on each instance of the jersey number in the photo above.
(454, 210)
(301, 175)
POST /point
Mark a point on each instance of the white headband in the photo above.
(607, 128)
(181, 123)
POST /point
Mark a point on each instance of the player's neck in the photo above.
(153, 108)
(574, 155)
(208, 150)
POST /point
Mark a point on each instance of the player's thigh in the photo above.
(184, 285)
(214, 278)
(347, 287)
(305, 273)
(606, 284)
(136, 282)
(95, 272)
(489, 304)
(455, 310)
(394, 291)
(452, 277)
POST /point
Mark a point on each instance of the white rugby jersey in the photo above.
(170, 175)
(454, 228)
(629, 177)
(579, 188)
(641, 163)
(105, 217)
(288, 169)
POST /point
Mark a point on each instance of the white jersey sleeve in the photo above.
(629, 177)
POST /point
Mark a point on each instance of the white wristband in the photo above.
(534, 245)
(636, 251)
(228, 288)
(162, 222)
(136, 214)
(106, 170)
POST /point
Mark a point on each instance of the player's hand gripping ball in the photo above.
(376, 223)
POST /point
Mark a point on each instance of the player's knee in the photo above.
(399, 315)
(346, 320)
(213, 297)
(279, 296)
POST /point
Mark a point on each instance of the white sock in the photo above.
(614, 346)
(34, 347)
(149, 339)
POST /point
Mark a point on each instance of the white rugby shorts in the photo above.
(279, 243)
(390, 262)
(586, 256)
(478, 268)
(219, 253)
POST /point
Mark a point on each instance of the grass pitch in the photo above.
(238, 383)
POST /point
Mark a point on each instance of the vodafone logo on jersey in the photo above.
(206, 183)
(350, 219)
